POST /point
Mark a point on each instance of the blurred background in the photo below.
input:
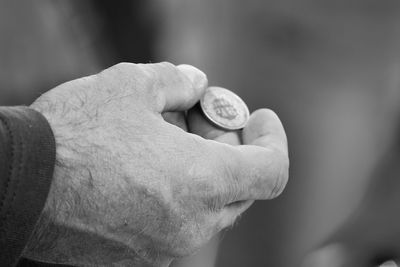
(329, 68)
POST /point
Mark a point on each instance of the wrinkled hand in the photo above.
(372, 234)
(132, 189)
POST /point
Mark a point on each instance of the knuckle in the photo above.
(125, 64)
(175, 76)
(162, 69)
(155, 77)
(125, 71)
(164, 65)
(121, 74)
(121, 67)
(141, 79)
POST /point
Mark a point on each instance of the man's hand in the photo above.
(132, 189)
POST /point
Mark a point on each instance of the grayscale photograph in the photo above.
(200, 133)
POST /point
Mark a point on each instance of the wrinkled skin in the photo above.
(132, 189)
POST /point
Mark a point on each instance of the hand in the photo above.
(372, 235)
(132, 189)
(198, 124)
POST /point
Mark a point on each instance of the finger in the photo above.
(177, 88)
(176, 118)
(198, 124)
(161, 87)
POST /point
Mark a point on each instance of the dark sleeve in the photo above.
(27, 156)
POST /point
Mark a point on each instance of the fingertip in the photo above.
(197, 77)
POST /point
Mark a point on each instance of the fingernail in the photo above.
(196, 76)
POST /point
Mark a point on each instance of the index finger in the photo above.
(162, 87)
(176, 88)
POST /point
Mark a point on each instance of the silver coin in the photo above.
(224, 108)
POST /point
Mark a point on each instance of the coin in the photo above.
(224, 108)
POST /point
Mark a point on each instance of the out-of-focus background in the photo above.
(329, 68)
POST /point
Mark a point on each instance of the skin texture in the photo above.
(131, 188)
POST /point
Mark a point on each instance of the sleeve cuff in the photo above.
(27, 157)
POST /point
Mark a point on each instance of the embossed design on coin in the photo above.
(224, 108)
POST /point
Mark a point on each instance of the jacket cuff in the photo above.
(27, 157)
